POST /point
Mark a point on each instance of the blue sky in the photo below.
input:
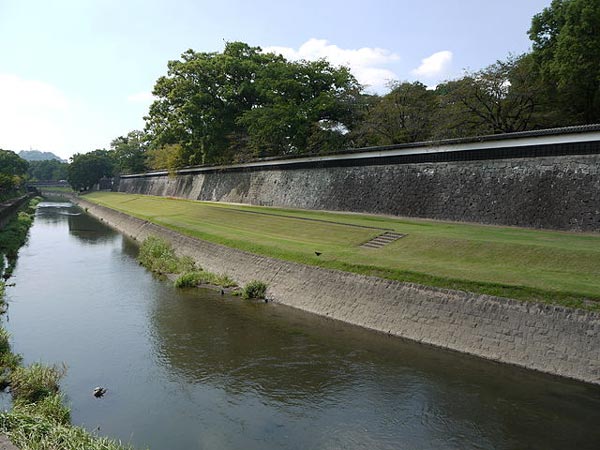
(75, 74)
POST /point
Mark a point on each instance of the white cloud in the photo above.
(365, 63)
(434, 65)
(32, 114)
(141, 97)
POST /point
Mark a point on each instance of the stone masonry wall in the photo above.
(559, 192)
(8, 209)
(550, 339)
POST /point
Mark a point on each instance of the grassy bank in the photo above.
(14, 235)
(39, 419)
(546, 266)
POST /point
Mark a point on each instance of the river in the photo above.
(191, 369)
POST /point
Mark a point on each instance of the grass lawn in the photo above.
(549, 266)
(59, 189)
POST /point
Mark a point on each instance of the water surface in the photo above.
(196, 370)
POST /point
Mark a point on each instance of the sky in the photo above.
(76, 74)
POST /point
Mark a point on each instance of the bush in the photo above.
(158, 255)
(194, 278)
(35, 382)
(189, 279)
(254, 289)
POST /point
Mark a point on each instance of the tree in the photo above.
(566, 48)
(211, 103)
(302, 107)
(12, 171)
(12, 164)
(403, 115)
(498, 99)
(47, 170)
(87, 169)
(168, 157)
(130, 152)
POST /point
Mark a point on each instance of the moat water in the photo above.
(193, 369)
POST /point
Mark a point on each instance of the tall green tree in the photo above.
(12, 164)
(219, 107)
(403, 115)
(303, 107)
(12, 172)
(130, 152)
(566, 48)
(500, 98)
(86, 169)
(200, 99)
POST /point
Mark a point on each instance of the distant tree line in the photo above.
(242, 104)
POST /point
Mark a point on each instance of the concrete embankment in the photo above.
(551, 339)
(10, 207)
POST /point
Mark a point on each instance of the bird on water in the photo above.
(99, 391)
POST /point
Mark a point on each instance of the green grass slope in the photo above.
(548, 266)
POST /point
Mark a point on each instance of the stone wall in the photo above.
(555, 192)
(9, 208)
(550, 339)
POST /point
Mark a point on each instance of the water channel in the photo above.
(196, 370)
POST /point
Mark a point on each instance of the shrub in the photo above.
(189, 279)
(254, 289)
(35, 382)
(158, 255)
(194, 278)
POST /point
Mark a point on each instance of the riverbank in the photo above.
(551, 339)
(532, 265)
(9, 207)
(39, 418)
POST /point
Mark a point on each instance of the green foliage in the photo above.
(403, 115)
(12, 164)
(566, 49)
(497, 99)
(254, 289)
(47, 170)
(12, 172)
(194, 278)
(30, 428)
(35, 382)
(130, 152)
(14, 235)
(51, 407)
(169, 156)
(209, 103)
(87, 169)
(158, 255)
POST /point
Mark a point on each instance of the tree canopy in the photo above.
(47, 170)
(130, 152)
(12, 172)
(210, 103)
(87, 169)
(566, 49)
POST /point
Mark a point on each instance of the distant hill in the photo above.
(36, 155)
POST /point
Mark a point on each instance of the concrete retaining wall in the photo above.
(9, 208)
(550, 339)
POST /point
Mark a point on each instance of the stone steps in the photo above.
(383, 239)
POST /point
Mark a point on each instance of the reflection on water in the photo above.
(194, 369)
